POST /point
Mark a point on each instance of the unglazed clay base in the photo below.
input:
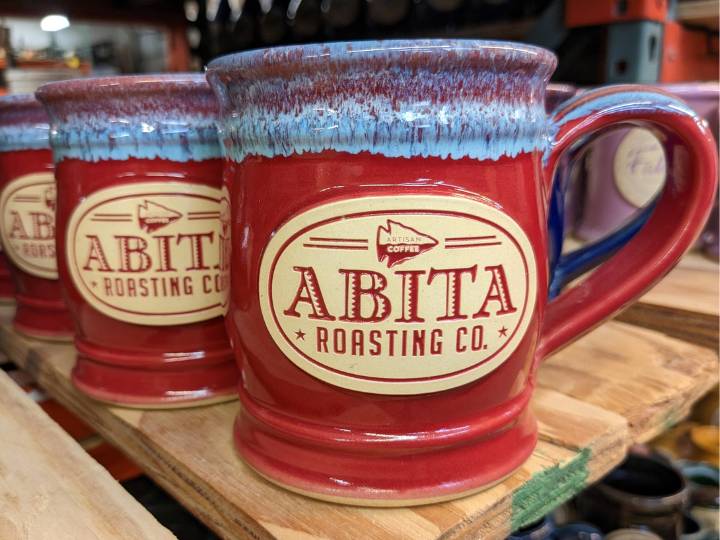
(380, 503)
(34, 334)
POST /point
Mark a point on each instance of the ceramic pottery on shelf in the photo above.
(27, 220)
(389, 263)
(627, 167)
(144, 224)
(642, 492)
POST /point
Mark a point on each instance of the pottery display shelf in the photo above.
(618, 385)
(50, 488)
(684, 304)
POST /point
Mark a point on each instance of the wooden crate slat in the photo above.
(646, 377)
(684, 305)
(51, 488)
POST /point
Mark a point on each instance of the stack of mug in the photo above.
(354, 235)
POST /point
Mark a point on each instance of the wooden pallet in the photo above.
(702, 13)
(618, 385)
(684, 304)
(50, 488)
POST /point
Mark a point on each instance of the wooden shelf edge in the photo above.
(43, 467)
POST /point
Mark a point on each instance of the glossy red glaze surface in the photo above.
(41, 310)
(135, 364)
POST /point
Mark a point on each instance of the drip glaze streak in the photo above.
(423, 98)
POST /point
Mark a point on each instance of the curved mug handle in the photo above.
(577, 262)
(679, 213)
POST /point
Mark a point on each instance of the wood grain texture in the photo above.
(189, 452)
(50, 489)
(692, 286)
(648, 378)
(699, 13)
(685, 304)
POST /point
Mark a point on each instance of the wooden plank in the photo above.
(685, 304)
(189, 453)
(51, 489)
(699, 13)
(691, 286)
(648, 378)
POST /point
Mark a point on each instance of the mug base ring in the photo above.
(374, 479)
(42, 334)
(158, 388)
(379, 503)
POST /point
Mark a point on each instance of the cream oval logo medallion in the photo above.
(27, 207)
(398, 294)
(150, 253)
(639, 167)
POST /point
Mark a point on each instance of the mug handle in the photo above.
(575, 263)
(676, 221)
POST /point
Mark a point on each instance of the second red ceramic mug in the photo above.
(142, 224)
(389, 272)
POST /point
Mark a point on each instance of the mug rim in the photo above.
(23, 109)
(692, 89)
(14, 102)
(522, 56)
(94, 87)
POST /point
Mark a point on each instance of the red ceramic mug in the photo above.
(27, 220)
(389, 269)
(141, 217)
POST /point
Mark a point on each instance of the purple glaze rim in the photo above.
(477, 53)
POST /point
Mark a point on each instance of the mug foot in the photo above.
(161, 387)
(61, 336)
(385, 479)
(43, 319)
(379, 503)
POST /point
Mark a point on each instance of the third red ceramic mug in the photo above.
(27, 219)
(141, 219)
(389, 268)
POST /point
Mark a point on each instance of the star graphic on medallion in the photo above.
(503, 332)
(299, 334)
(93, 284)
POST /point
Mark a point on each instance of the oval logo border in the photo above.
(125, 192)
(407, 204)
(43, 178)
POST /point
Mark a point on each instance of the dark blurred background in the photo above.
(597, 41)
